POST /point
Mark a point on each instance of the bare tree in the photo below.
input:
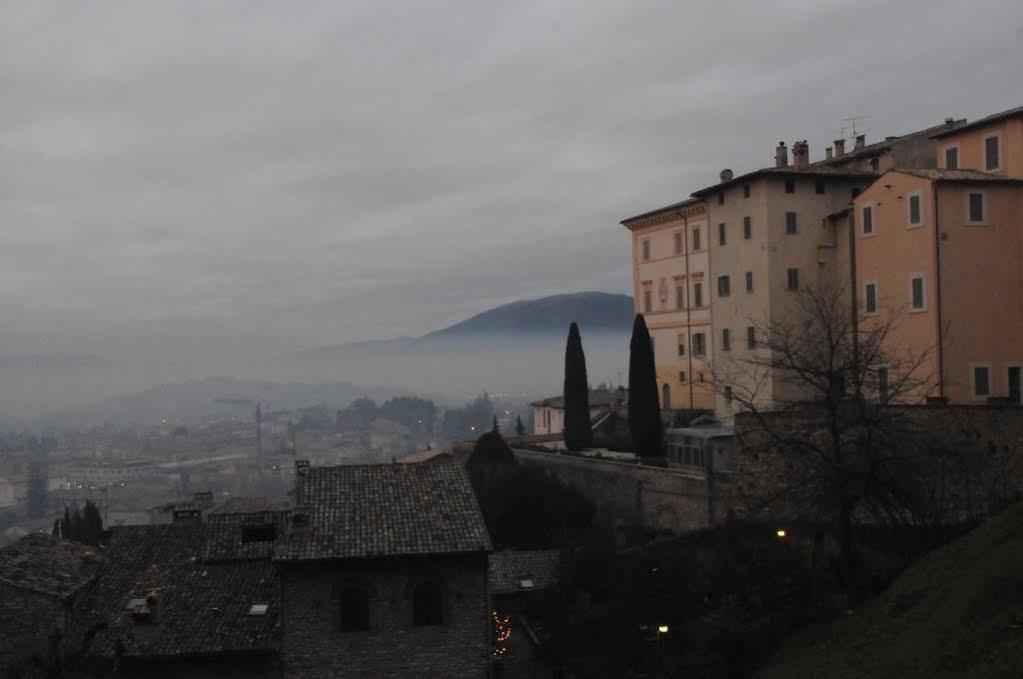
(813, 399)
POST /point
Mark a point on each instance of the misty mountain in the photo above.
(593, 311)
(516, 350)
(596, 312)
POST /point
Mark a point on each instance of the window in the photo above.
(699, 345)
(722, 236)
(749, 281)
(728, 396)
(721, 198)
(745, 190)
(793, 279)
(680, 296)
(818, 186)
(681, 345)
(261, 532)
(696, 239)
(724, 286)
(726, 340)
(981, 381)
(868, 220)
(747, 227)
(751, 337)
(870, 298)
(1015, 390)
(646, 249)
(259, 609)
(678, 242)
(918, 299)
(915, 216)
(882, 385)
(666, 396)
(790, 186)
(790, 222)
(991, 149)
(682, 376)
(952, 158)
(976, 208)
(428, 604)
(698, 294)
(354, 609)
(648, 304)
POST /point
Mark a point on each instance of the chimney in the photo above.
(950, 121)
(839, 148)
(800, 155)
(726, 175)
(861, 141)
(301, 471)
(204, 498)
(781, 155)
(186, 513)
(828, 155)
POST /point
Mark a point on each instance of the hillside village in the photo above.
(824, 386)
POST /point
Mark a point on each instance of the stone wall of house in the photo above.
(27, 621)
(667, 500)
(968, 458)
(313, 644)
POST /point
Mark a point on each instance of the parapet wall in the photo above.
(667, 500)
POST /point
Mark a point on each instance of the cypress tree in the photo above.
(76, 525)
(520, 428)
(66, 526)
(496, 428)
(578, 434)
(644, 409)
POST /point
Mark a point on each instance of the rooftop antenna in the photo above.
(853, 126)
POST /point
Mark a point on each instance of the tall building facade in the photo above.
(671, 278)
(927, 225)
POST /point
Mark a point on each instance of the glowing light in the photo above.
(662, 629)
(502, 633)
(781, 533)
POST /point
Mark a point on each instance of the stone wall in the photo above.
(27, 619)
(313, 645)
(666, 500)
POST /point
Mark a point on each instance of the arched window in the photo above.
(354, 609)
(428, 604)
(666, 397)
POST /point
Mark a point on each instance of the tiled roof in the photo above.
(986, 120)
(508, 569)
(243, 536)
(880, 146)
(242, 504)
(48, 565)
(366, 511)
(674, 206)
(960, 176)
(199, 608)
(814, 171)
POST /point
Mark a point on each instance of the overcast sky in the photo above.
(196, 177)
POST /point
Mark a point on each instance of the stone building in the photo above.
(384, 574)
(40, 579)
(378, 571)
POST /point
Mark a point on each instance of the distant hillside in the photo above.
(591, 310)
(958, 612)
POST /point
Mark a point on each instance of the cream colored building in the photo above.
(750, 242)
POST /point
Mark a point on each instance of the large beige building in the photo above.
(750, 241)
(671, 279)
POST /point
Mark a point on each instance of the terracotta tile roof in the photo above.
(960, 176)
(48, 565)
(508, 570)
(365, 511)
(242, 504)
(243, 536)
(986, 120)
(196, 608)
(667, 208)
(814, 171)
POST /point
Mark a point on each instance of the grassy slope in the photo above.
(956, 613)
